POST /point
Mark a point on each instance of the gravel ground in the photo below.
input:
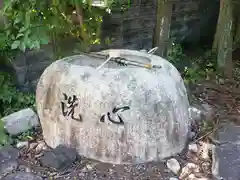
(31, 155)
(86, 169)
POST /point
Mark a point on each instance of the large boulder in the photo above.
(114, 114)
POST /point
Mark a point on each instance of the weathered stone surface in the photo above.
(8, 160)
(227, 156)
(59, 158)
(152, 125)
(20, 121)
(22, 176)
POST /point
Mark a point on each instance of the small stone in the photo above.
(192, 156)
(166, 170)
(22, 144)
(84, 169)
(208, 112)
(201, 112)
(173, 178)
(193, 147)
(204, 150)
(22, 167)
(89, 167)
(22, 176)
(141, 167)
(199, 174)
(27, 169)
(8, 160)
(221, 81)
(20, 121)
(110, 171)
(59, 158)
(192, 135)
(188, 170)
(192, 177)
(203, 178)
(173, 165)
(81, 174)
(49, 159)
(193, 166)
(206, 167)
(40, 147)
(32, 146)
(70, 153)
(53, 174)
(39, 155)
(195, 113)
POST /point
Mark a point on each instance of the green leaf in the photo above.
(15, 44)
(7, 5)
(27, 33)
(22, 29)
(31, 45)
(44, 40)
(23, 46)
(19, 35)
(17, 20)
(37, 44)
(27, 19)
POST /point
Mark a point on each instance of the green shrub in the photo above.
(192, 69)
(11, 99)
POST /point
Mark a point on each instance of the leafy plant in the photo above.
(192, 69)
(4, 139)
(32, 23)
(11, 99)
(25, 136)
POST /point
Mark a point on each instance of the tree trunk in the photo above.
(79, 14)
(218, 28)
(236, 39)
(223, 42)
(162, 29)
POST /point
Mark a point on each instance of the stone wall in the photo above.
(30, 65)
(133, 29)
(192, 20)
